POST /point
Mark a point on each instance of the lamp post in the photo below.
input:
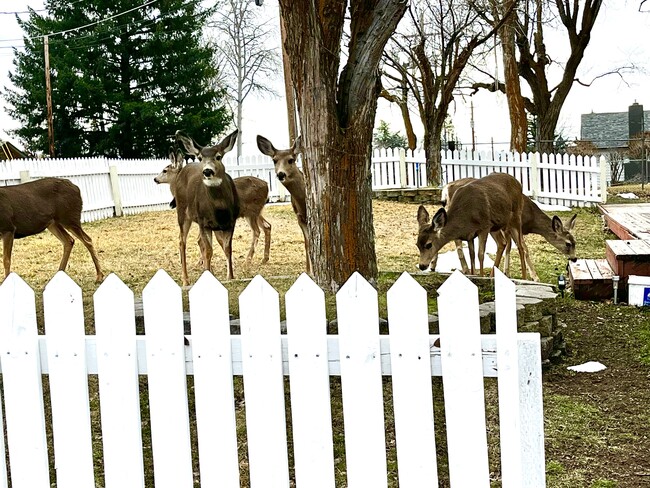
(615, 280)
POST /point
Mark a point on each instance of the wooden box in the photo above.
(629, 257)
(591, 279)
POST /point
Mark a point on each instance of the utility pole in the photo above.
(48, 96)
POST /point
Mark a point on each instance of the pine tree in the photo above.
(125, 76)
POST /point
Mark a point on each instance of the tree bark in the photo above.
(336, 119)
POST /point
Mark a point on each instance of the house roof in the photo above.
(9, 151)
(608, 130)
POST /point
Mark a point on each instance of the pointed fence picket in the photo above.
(263, 356)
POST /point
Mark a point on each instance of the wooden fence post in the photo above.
(402, 167)
(534, 177)
(115, 189)
(603, 179)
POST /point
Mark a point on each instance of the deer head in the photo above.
(283, 159)
(209, 156)
(429, 240)
(170, 171)
(562, 239)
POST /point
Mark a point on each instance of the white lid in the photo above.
(638, 280)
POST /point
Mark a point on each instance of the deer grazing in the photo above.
(533, 221)
(206, 194)
(477, 208)
(292, 178)
(48, 203)
(252, 192)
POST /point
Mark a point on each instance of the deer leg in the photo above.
(206, 249)
(79, 233)
(482, 240)
(225, 239)
(470, 247)
(182, 245)
(461, 255)
(252, 222)
(66, 239)
(500, 237)
(531, 267)
(518, 237)
(266, 227)
(506, 258)
(7, 246)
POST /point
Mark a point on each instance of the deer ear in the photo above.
(297, 145)
(556, 224)
(423, 215)
(572, 223)
(188, 143)
(439, 219)
(228, 142)
(172, 155)
(180, 158)
(265, 146)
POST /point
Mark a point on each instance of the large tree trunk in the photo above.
(518, 120)
(337, 115)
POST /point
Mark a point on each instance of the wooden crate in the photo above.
(629, 257)
(591, 279)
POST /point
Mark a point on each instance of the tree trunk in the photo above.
(337, 111)
(432, 149)
(518, 121)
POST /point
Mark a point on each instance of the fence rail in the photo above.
(263, 356)
(114, 187)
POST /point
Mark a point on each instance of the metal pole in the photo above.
(48, 96)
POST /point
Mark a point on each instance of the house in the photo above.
(617, 132)
(9, 151)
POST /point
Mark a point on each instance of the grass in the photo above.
(595, 425)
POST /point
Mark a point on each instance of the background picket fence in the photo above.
(112, 187)
(358, 354)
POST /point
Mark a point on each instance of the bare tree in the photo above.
(426, 59)
(247, 63)
(337, 87)
(525, 36)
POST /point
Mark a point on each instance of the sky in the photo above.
(617, 40)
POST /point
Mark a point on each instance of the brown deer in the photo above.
(293, 180)
(48, 203)
(252, 192)
(533, 221)
(477, 208)
(206, 194)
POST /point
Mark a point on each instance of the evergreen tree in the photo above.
(125, 76)
(384, 138)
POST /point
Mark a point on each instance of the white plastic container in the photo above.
(638, 290)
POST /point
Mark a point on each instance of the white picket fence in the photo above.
(262, 355)
(114, 187)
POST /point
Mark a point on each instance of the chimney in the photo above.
(635, 120)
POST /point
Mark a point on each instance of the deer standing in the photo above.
(206, 194)
(48, 203)
(252, 192)
(533, 221)
(293, 180)
(478, 208)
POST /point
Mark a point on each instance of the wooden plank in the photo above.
(119, 387)
(311, 413)
(213, 386)
(22, 386)
(639, 247)
(361, 384)
(605, 269)
(411, 378)
(620, 248)
(579, 271)
(593, 269)
(170, 429)
(64, 328)
(266, 429)
(462, 382)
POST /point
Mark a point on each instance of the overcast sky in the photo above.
(618, 39)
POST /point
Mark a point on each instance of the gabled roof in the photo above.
(9, 151)
(608, 130)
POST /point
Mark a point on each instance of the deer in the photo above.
(493, 203)
(55, 204)
(252, 192)
(206, 194)
(533, 221)
(293, 180)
